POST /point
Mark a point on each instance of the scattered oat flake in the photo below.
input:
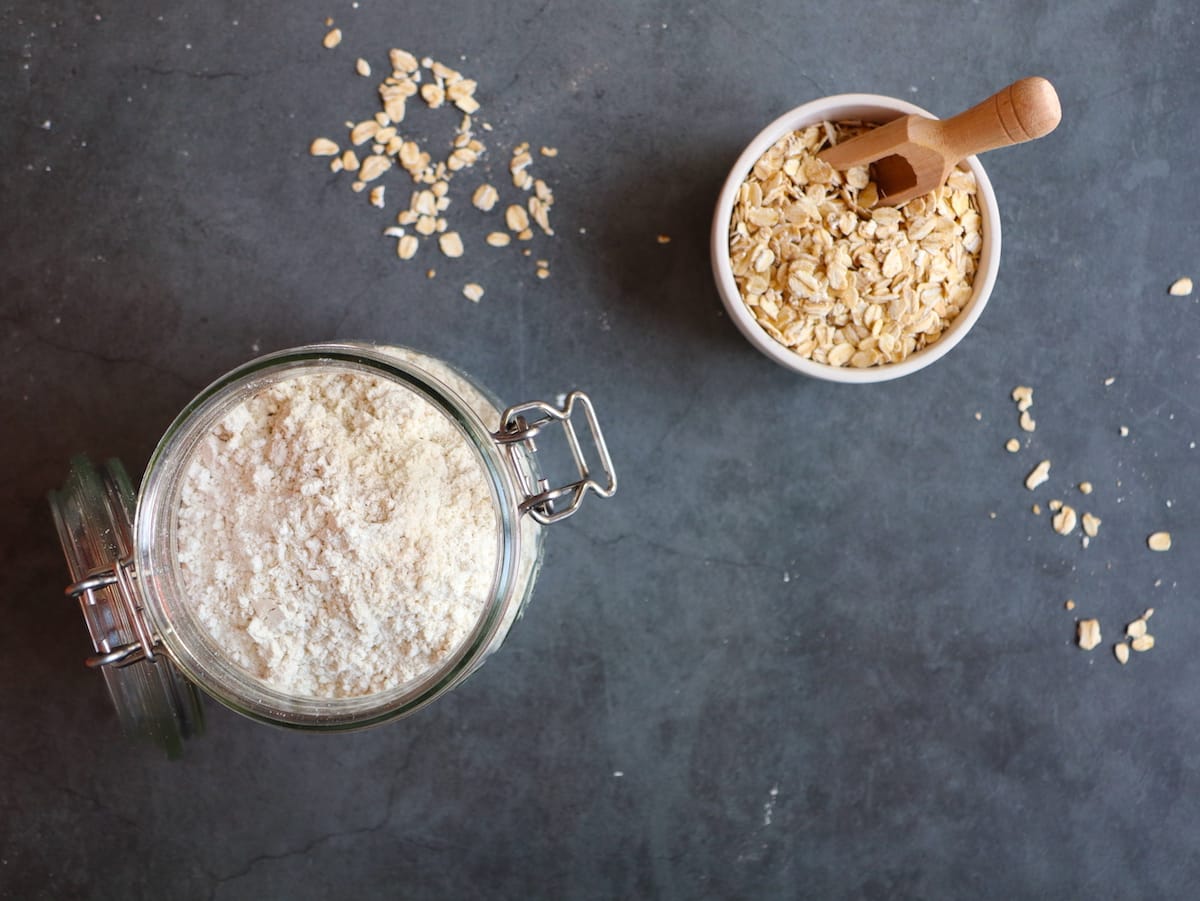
(376, 196)
(433, 94)
(1055, 505)
(1142, 643)
(1037, 509)
(373, 167)
(1121, 652)
(663, 239)
(1091, 525)
(403, 61)
(1027, 422)
(451, 244)
(499, 239)
(1038, 475)
(1023, 395)
(1108, 381)
(1085, 487)
(406, 249)
(516, 219)
(1180, 287)
(549, 151)
(472, 292)
(1088, 633)
(333, 38)
(363, 132)
(1124, 430)
(362, 67)
(1012, 445)
(1064, 520)
(1149, 613)
(543, 273)
(1070, 604)
(1159, 541)
(431, 273)
(485, 197)
(1136, 629)
(323, 147)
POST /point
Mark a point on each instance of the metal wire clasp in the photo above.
(100, 615)
(520, 424)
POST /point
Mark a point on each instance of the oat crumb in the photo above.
(323, 147)
(1088, 633)
(1181, 287)
(1121, 652)
(664, 239)
(1064, 520)
(1038, 475)
(472, 292)
(1012, 445)
(333, 38)
(1159, 541)
(1023, 396)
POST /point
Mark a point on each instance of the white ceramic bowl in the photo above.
(843, 107)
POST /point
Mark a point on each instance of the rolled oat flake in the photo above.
(326, 538)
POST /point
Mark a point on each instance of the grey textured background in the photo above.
(820, 667)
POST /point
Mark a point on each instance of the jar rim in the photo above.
(193, 650)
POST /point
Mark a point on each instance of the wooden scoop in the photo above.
(913, 155)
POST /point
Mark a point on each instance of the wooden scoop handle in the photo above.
(1024, 110)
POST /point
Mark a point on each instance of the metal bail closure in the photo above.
(521, 424)
(94, 513)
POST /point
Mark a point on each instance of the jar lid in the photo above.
(94, 513)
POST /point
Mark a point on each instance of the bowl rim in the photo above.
(843, 106)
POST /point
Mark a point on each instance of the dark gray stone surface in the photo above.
(797, 656)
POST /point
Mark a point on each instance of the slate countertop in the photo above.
(817, 644)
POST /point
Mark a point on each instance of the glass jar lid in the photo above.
(94, 512)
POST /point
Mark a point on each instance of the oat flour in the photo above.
(336, 535)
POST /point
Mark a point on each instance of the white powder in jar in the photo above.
(336, 535)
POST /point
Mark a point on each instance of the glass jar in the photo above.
(123, 552)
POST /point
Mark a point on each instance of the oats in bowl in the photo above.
(805, 261)
(837, 279)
